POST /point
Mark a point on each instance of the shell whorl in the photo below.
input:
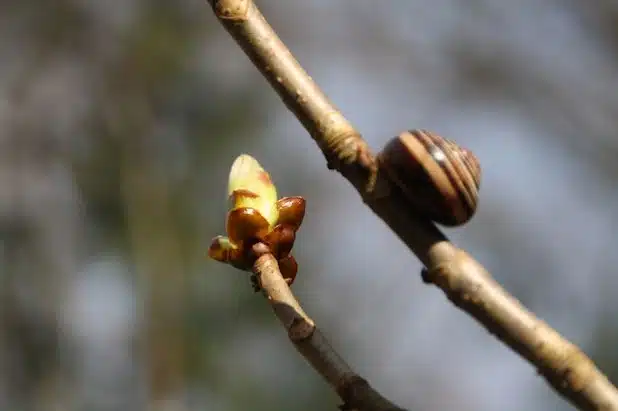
(439, 178)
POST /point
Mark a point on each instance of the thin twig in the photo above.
(354, 390)
(464, 281)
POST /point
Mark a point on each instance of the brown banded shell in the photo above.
(440, 179)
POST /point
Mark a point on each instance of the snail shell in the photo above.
(440, 179)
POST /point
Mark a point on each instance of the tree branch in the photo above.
(354, 390)
(464, 281)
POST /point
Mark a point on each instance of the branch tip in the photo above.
(233, 10)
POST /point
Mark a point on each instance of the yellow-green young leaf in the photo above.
(250, 186)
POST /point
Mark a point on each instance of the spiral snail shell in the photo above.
(440, 179)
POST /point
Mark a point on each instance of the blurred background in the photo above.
(119, 121)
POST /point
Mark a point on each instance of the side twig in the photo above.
(354, 390)
(464, 281)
